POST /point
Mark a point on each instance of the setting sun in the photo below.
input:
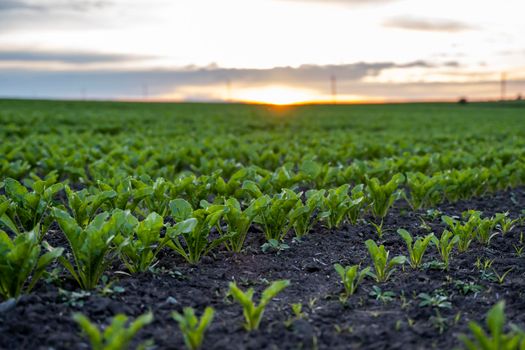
(276, 95)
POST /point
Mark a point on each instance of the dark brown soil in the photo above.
(42, 320)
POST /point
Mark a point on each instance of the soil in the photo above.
(42, 320)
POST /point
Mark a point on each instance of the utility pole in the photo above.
(333, 85)
(503, 85)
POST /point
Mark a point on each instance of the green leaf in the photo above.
(180, 209)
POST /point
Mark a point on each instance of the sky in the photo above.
(272, 51)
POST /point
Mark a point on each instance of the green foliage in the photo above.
(91, 246)
(304, 216)
(140, 242)
(189, 236)
(383, 267)
(20, 259)
(128, 193)
(192, 328)
(497, 338)
(436, 300)
(22, 210)
(253, 313)
(484, 226)
(351, 277)
(274, 245)
(233, 161)
(238, 222)
(382, 295)
(468, 287)
(466, 232)
(356, 204)
(335, 206)
(425, 191)
(117, 336)
(382, 196)
(416, 249)
(273, 213)
(84, 206)
(504, 223)
(444, 245)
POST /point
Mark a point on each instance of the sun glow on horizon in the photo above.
(276, 95)
(281, 95)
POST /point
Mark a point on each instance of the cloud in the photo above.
(16, 5)
(512, 52)
(51, 5)
(344, 2)
(58, 14)
(130, 83)
(427, 24)
(65, 57)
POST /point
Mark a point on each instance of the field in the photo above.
(113, 208)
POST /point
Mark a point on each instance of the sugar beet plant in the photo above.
(485, 227)
(445, 244)
(504, 223)
(92, 247)
(351, 277)
(189, 235)
(21, 264)
(424, 191)
(304, 216)
(273, 213)
(22, 210)
(238, 223)
(253, 313)
(383, 266)
(416, 249)
(140, 242)
(191, 327)
(466, 232)
(117, 335)
(381, 197)
(336, 205)
(497, 338)
(83, 205)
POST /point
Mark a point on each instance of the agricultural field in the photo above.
(230, 226)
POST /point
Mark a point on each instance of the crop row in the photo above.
(109, 224)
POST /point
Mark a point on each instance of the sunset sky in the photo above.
(277, 51)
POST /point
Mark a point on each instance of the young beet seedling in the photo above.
(192, 329)
(425, 191)
(416, 249)
(303, 216)
(23, 211)
(139, 246)
(273, 213)
(381, 198)
(117, 336)
(253, 314)
(351, 277)
(497, 339)
(84, 205)
(91, 246)
(466, 232)
(444, 245)
(189, 236)
(336, 205)
(238, 222)
(383, 268)
(19, 258)
(505, 224)
(484, 226)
